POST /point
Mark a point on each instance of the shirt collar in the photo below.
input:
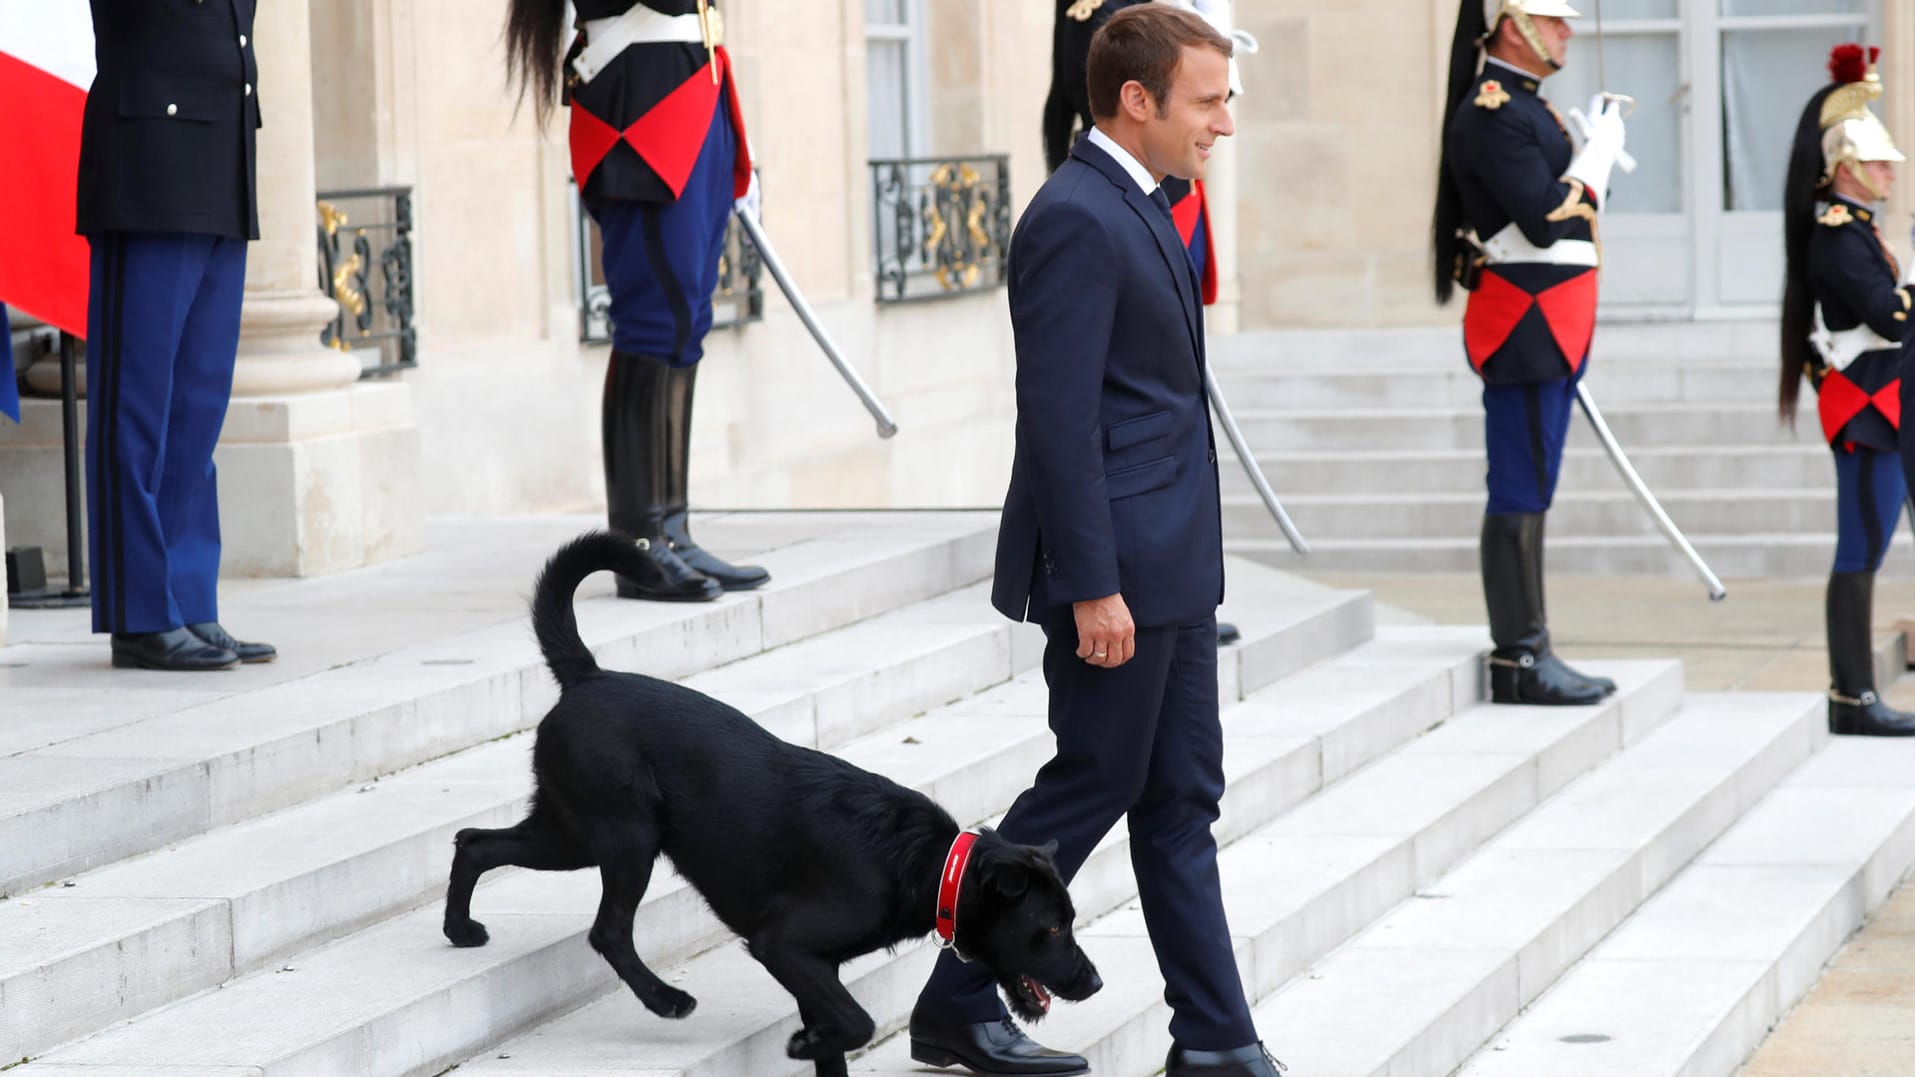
(1131, 165)
(1525, 79)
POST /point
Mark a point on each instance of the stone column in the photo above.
(318, 471)
(279, 348)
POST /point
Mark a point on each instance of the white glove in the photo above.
(1217, 13)
(1603, 137)
(751, 201)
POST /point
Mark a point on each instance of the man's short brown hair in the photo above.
(1144, 43)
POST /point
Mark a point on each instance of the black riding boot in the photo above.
(678, 386)
(1853, 705)
(635, 461)
(1522, 669)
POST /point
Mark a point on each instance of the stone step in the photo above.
(1383, 473)
(119, 940)
(376, 987)
(125, 789)
(1282, 745)
(1279, 387)
(1746, 556)
(1690, 983)
(1422, 988)
(1438, 428)
(1302, 885)
(1608, 513)
(1632, 346)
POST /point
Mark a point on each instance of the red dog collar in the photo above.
(954, 864)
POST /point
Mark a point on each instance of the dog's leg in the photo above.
(834, 1022)
(825, 1065)
(538, 842)
(625, 868)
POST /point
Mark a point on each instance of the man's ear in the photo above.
(1135, 100)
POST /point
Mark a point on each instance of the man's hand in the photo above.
(1106, 636)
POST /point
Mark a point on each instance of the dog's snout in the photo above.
(1094, 984)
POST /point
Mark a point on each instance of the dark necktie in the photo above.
(1163, 201)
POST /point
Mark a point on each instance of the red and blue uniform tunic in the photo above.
(1853, 280)
(1532, 313)
(659, 154)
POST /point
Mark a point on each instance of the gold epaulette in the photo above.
(1493, 96)
(1837, 215)
(1082, 10)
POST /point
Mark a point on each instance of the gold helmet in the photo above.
(1495, 11)
(1851, 134)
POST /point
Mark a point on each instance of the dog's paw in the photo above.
(803, 1045)
(671, 1003)
(469, 933)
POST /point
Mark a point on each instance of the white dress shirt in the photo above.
(1122, 156)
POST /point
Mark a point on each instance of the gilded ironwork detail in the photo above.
(943, 226)
(369, 271)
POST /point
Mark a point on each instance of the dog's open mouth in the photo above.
(1033, 994)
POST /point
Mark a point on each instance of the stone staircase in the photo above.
(242, 874)
(1374, 441)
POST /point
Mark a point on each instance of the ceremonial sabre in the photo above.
(887, 427)
(1641, 489)
(1249, 462)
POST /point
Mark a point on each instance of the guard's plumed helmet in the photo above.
(1851, 134)
(1495, 11)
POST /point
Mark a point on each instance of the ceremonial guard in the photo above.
(660, 156)
(1516, 225)
(166, 197)
(1844, 309)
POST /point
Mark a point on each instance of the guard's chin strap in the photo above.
(1857, 170)
(1525, 26)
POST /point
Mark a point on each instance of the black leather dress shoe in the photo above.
(175, 650)
(1228, 633)
(1251, 1061)
(212, 633)
(990, 1048)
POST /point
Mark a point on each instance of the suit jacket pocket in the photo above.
(1140, 478)
(1122, 435)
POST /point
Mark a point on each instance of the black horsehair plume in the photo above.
(533, 30)
(1799, 193)
(1449, 203)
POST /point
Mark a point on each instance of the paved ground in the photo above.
(1859, 1021)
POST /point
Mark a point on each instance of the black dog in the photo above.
(808, 858)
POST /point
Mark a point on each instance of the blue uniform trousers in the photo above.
(1524, 426)
(661, 258)
(1868, 499)
(162, 334)
(1145, 741)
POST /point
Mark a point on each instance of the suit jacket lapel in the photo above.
(1169, 244)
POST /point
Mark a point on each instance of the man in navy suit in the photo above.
(1111, 540)
(166, 195)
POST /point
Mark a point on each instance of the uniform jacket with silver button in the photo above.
(1533, 311)
(168, 140)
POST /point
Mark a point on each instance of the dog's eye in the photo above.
(1057, 929)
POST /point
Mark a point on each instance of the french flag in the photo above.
(46, 65)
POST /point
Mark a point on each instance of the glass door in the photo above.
(1767, 56)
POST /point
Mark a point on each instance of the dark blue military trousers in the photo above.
(661, 258)
(1868, 504)
(1523, 431)
(1142, 741)
(162, 334)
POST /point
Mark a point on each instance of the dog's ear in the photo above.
(1048, 851)
(1009, 881)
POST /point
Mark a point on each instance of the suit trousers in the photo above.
(1144, 742)
(162, 336)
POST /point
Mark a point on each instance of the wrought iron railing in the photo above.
(941, 225)
(365, 262)
(738, 299)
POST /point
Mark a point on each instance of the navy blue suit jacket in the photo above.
(1114, 481)
(167, 144)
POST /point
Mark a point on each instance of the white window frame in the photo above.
(912, 33)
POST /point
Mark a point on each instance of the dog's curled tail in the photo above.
(566, 655)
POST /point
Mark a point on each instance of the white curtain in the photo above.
(1767, 77)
